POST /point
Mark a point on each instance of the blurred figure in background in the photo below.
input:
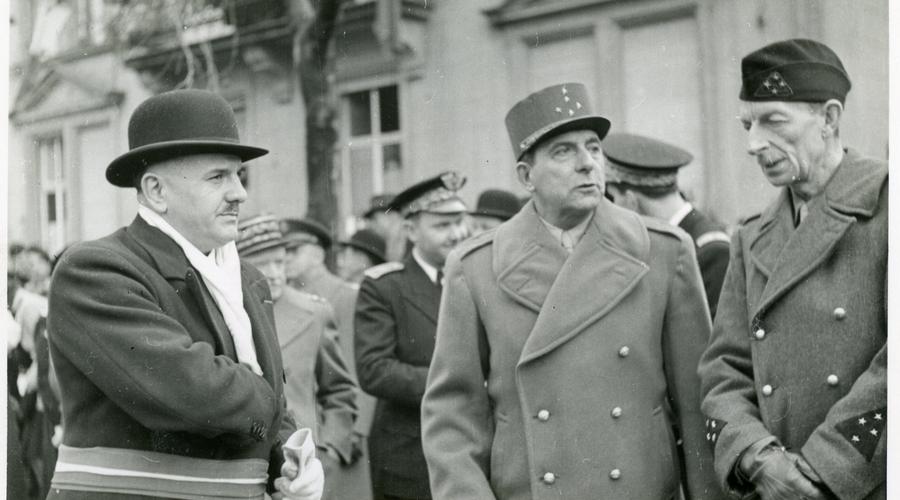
(642, 175)
(494, 207)
(364, 249)
(381, 218)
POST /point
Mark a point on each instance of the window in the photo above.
(52, 192)
(371, 151)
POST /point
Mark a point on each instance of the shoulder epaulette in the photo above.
(712, 236)
(474, 243)
(382, 269)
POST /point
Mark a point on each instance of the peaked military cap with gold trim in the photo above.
(639, 161)
(434, 195)
(258, 233)
(794, 70)
(549, 112)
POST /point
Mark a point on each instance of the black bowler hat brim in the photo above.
(122, 171)
(597, 124)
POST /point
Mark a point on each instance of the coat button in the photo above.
(767, 390)
(624, 351)
(615, 474)
(616, 412)
(543, 415)
(549, 478)
(840, 313)
(832, 380)
(759, 334)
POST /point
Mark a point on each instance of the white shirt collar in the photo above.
(574, 234)
(430, 270)
(681, 213)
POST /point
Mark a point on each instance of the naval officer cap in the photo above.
(436, 195)
(794, 70)
(642, 162)
(550, 112)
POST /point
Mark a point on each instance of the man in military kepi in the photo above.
(494, 207)
(565, 363)
(642, 175)
(396, 319)
(795, 376)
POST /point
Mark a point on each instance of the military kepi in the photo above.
(258, 233)
(794, 70)
(178, 123)
(549, 112)
(435, 195)
(643, 162)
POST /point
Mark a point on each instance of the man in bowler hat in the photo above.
(163, 340)
(642, 175)
(494, 207)
(396, 318)
(795, 376)
(568, 338)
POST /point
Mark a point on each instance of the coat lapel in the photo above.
(787, 255)
(261, 326)
(420, 291)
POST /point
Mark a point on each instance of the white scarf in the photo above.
(221, 271)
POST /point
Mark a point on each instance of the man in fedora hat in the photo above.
(568, 339)
(320, 390)
(396, 318)
(364, 249)
(795, 376)
(163, 341)
(642, 175)
(494, 207)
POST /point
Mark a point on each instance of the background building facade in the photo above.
(421, 87)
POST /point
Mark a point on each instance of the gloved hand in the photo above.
(302, 475)
(776, 475)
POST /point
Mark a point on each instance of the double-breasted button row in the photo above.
(832, 380)
(624, 351)
(839, 313)
(759, 334)
(615, 474)
(548, 478)
(543, 415)
(616, 412)
(767, 390)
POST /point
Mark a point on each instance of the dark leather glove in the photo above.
(775, 474)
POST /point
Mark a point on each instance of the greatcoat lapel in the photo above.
(571, 293)
(261, 326)
(787, 255)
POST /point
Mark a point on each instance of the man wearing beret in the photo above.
(396, 318)
(307, 244)
(320, 390)
(494, 207)
(162, 339)
(568, 339)
(642, 175)
(794, 379)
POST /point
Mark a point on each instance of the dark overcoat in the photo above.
(563, 376)
(799, 346)
(396, 319)
(711, 243)
(146, 362)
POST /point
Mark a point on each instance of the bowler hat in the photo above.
(299, 231)
(258, 233)
(178, 123)
(369, 242)
(549, 112)
(497, 203)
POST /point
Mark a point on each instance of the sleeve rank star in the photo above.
(713, 428)
(864, 431)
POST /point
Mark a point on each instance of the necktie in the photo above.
(567, 241)
(440, 279)
(800, 214)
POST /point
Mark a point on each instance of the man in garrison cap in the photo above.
(795, 378)
(320, 390)
(565, 363)
(163, 340)
(307, 243)
(494, 207)
(642, 175)
(396, 319)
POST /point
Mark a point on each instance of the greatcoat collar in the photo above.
(164, 253)
(568, 292)
(785, 255)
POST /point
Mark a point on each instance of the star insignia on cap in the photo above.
(774, 86)
(564, 91)
(558, 109)
(864, 431)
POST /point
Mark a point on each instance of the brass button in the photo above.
(616, 412)
(549, 478)
(840, 313)
(624, 351)
(543, 415)
(767, 390)
(832, 380)
(759, 334)
(615, 474)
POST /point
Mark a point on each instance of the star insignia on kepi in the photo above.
(864, 431)
(774, 86)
